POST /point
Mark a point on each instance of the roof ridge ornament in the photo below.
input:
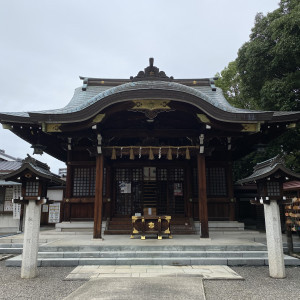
(30, 160)
(151, 73)
(278, 159)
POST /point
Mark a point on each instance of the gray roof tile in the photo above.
(82, 99)
(8, 166)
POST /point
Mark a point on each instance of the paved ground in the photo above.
(140, 288)
(50, 285)
(256, 286)
(206, 272)
(56, 239)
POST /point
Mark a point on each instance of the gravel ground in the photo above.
(257, 285)
(48, 285)
(51, 286)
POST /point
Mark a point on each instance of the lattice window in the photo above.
(123, 174)
(32, 188)
(176, 174)
(195, 182)
(162, 174)
(8, 194)
(216, 182)
(2, 197)
(137, 174)
(84, 182)
(273, 188)
(129, 184)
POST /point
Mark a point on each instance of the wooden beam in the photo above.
(129, 133)
(202, 197)
(98, 197)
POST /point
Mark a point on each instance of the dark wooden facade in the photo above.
(148, 141)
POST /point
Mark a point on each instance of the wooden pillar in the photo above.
(98, 197)
(188, 191)
(230, 190)
(67, 205)
(202, 197)
(108, 191)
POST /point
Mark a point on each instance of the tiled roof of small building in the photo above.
(291, 186)
(8, 183)
(267, 168)
(37, 167)
(9, 166)
(6, 157)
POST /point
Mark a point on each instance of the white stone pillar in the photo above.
(31, 240)
(274, 240)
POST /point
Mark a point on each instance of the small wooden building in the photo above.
(9, 222)
(150, 141)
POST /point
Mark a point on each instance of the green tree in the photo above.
(266, 76)
(229, 80)
(269, 63)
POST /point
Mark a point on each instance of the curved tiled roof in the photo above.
(83, 99)
(94, 98)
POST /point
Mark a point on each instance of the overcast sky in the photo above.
(47, 44)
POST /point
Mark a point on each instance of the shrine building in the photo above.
(148, 142)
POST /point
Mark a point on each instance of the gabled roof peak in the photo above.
(30, 160)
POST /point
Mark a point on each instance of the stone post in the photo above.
(274, 240)
(31, 240)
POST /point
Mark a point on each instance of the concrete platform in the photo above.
(86, 226)
(239, 248)
(205, 272)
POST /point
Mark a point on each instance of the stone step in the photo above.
(16, 248)
(117, 231)
(153, 254)
(19, 250)
(49, 248)
(173, 261)
(179, 248)
(11, 250)
(120, 226)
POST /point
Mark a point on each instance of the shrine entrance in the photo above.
(156, 187)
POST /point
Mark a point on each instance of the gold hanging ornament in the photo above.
(187, 154)
(113, 154)
(131, 155)
(151, 156)
(169, 156)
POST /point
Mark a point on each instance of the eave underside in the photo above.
(119, 125)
